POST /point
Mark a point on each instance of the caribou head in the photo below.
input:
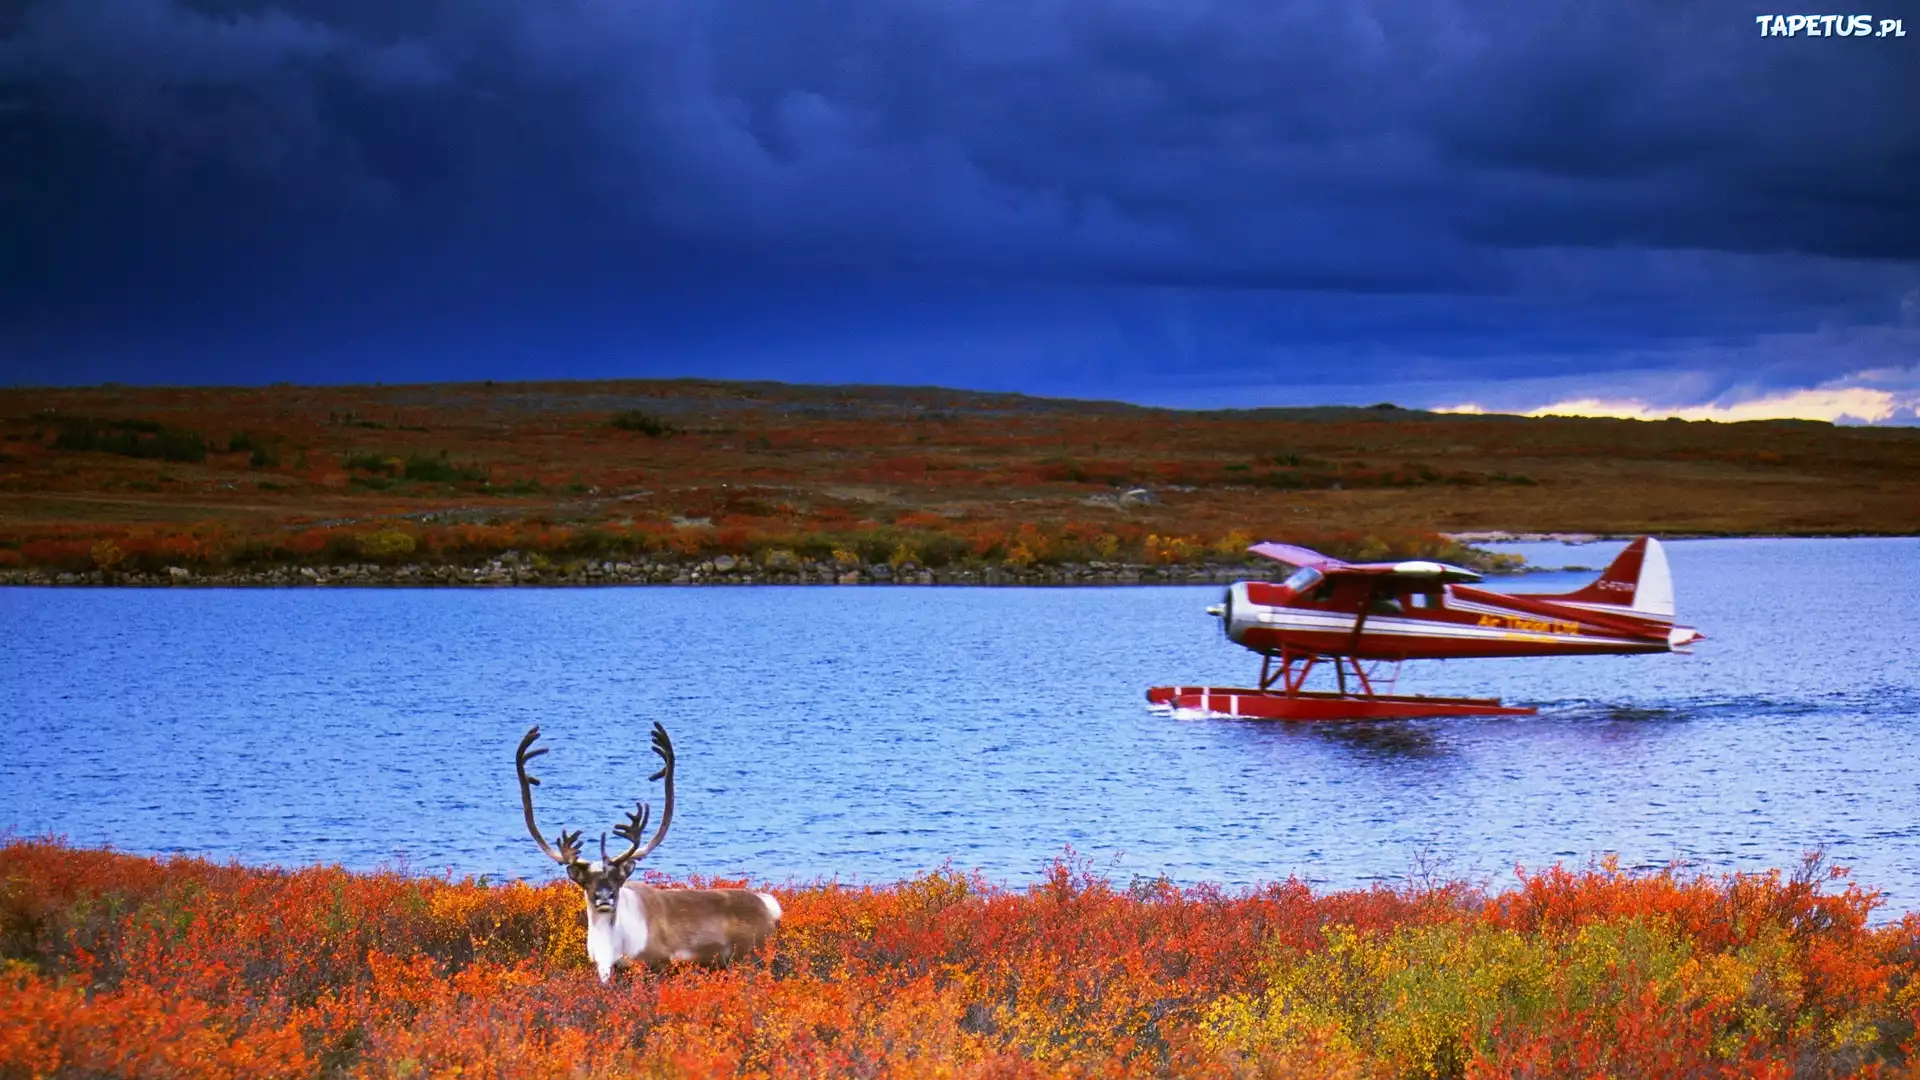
(601, 880)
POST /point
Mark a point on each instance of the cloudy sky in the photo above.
(1508, 205)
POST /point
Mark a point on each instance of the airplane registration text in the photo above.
(1538, 626)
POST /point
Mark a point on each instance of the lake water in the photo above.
(872, 733)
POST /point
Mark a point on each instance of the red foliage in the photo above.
(116, 965)
(931, 461)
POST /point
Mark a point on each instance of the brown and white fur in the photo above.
(630, 922)
(635, 923)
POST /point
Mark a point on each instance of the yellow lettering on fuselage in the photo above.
(1537, 626)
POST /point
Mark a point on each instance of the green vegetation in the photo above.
(131, 438)
(645, 423)
(261, 452)
(441, 470)
(420, 468)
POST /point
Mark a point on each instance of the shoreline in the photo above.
(518, 570)
(724, 570)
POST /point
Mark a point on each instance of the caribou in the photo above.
(628, 921)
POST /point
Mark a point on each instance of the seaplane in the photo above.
(1360, 621)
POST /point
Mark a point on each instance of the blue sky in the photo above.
(1507, 205)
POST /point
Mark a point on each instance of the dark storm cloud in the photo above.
(1140, 184)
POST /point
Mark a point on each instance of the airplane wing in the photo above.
(1297, 556)
(1417, 570)
(1420, 570)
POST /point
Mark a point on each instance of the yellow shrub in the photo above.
(1373, 549)
(386, 544)
(1426, 999)
(107, 554)
(1168, 549)
(1233, 545)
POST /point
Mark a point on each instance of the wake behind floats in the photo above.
(1340, 614)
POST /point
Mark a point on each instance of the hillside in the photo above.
(136, 479)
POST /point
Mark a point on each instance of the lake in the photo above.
(870, 733)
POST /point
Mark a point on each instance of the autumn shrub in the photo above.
(441, 470)
(341, 546)
(386, 545)
(58, 553)
(131, 438)
(1431, 1000)
(821, 538)
(939, 549)
(117, 965)
(597, 542)
(370, 462)
(1170, 549)
(107, 555)
(1231, 546)
(643, 422)
(260, 550)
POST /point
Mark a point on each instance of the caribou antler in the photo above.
(637, 821)
(569, 841)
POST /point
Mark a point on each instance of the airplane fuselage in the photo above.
(1371, 620)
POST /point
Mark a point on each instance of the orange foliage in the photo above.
(936, 541)
(927, 459)
(116, 965)
(306, 475)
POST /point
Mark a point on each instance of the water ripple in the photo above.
(869, 734)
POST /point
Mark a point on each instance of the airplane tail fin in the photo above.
(1637, 579)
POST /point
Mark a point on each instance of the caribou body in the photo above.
(631, 922)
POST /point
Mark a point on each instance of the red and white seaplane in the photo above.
(1359, 617)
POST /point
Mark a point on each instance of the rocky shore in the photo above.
(514, 569)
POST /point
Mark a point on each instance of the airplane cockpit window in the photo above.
(1303, 579)
(1385, 605)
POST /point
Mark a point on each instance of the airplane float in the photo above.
(1349, 615)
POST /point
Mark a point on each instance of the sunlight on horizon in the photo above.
(1858, 405)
